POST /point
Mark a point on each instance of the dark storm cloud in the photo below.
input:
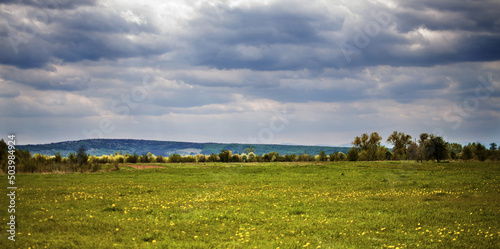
(471, 48)
(101, 22)
(74, 35)
(51, 4)
(277, 38)
(41, 79)
(467, 15)
(260, 38)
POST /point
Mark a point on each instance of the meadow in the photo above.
(261, 205)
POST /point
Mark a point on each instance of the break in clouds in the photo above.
(223, 71)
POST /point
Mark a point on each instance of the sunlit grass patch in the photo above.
(269, 205)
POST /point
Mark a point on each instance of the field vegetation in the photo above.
(391, 204)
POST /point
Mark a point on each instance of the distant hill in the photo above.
(101, 147)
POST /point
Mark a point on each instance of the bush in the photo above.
(201, 158)
(352, 154)
(160, 159)
(175, 158)
(131, 158)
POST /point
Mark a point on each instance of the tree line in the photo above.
(424, 148)
(427, 147)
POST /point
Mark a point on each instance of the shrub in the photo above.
(175, 158)
(352, 154)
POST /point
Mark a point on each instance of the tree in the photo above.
(131, 158)
(322, 156)
(493, 153)
(144, 158)
(58, 157)
(422, 139)
(493, 147)
(400, 142)
(368, 145)
(175, 158)
(24, 161)
(213, 158)
(352, 154)
(3, 155)
(251, 156)
(481, 152)
(413, 152)
(289, 158)
(382, 153)
(225, 155)
(250, 149)
(159, 159)
(436, 148)
(455, 150)
(467, 152)
(361, 143)
(81, 158)
(151, 157)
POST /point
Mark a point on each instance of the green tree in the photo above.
(4, 148)
(249, 149)
(422, 140)
(151, 157)
(436, 148)
(493, 147)
(455, 150)
(57, 157)
(493, 153)
(225, 155)
(289, 158)
(274, 156)
(352, 154)
(413, 151)
(251, 156)
(131, 158)
(81, 158)
(340, 155)
(175, 158)
(235, 158)
(322, 156)
(159, 159)
(481, 152)
(144, 158)
(367, 145)
(400, 142)
(24, 161)
(467, 152)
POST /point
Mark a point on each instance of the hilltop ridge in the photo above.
(101, 147)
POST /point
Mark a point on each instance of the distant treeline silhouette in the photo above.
(366, 147)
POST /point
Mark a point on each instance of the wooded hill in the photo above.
(99, 147)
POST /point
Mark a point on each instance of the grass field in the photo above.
(268, 205)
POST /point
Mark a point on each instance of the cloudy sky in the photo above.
(258, 71)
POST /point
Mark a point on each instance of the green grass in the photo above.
(286, 205)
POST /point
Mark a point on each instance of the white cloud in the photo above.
(129, 16)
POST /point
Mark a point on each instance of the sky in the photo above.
(311, 72)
